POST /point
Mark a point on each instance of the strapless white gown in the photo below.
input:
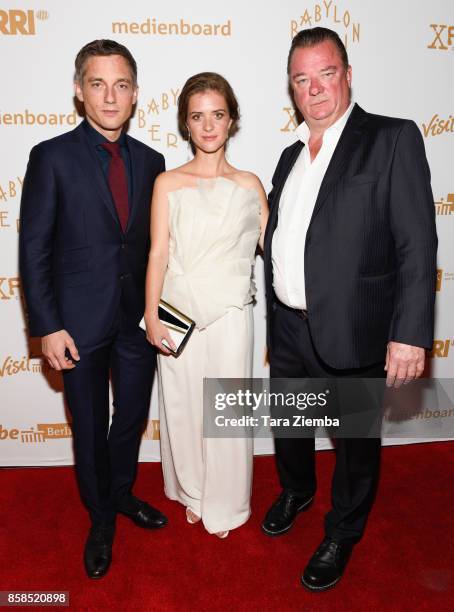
(214, 230)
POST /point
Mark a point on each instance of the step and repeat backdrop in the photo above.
(402, 54)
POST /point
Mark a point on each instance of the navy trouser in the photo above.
(106, 458)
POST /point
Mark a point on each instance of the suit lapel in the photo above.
(93, 168)
(272, 221)
(348, 142)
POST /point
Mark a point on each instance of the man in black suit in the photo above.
(84, 242)
(350, 267)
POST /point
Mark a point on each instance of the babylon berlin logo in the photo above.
(150, 118)
(328, 13)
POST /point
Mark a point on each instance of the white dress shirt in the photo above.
(295, 212)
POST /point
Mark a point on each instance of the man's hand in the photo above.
(54, 347)
(404, 363)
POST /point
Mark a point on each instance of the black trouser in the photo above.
(356, 472)
(106, 458)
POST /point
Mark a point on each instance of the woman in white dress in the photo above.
(206, 220)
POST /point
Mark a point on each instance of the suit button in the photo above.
(122, 276)
(123, 246)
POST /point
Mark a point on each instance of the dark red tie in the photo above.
(118, 181)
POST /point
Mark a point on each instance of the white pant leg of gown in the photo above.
(180, 392)
(228, 461)
(212, 476)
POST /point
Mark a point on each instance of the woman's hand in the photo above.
(156, 333)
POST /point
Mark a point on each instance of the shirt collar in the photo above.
(303, 133)
(96, 138)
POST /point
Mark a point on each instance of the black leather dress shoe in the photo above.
(282, 514)
(141, 513)
(98, 551)
(327, 565)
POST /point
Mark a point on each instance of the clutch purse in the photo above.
(179, 326)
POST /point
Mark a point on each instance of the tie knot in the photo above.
(113, 148)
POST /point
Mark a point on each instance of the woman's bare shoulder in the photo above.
(246, 179)
(174, 179)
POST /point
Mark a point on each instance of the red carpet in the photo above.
(405, 561)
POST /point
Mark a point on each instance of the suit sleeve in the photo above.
(36, 238)
(413, 228)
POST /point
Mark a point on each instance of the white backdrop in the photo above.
(402, 57)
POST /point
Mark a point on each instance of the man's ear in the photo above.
(349, 76)
(135, 94)
(78, 91)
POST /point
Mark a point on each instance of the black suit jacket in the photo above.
(370, 250)
(76, 263)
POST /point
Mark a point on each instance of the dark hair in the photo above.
(315, 36)
(103, 47)
(207, 81)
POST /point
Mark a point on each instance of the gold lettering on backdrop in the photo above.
(9, 287)
(172, 140)
(437, 126)
(439, 279)
(445, 208)
(154, 110)
(443, 37)
(6, 434)
(179, 28)
(440, 348)
(30, 118)
(10, 189)
(55, 430)
(292, 123)
(4, 219)
(11, 367)
(151, 431)
(438, 30)
(332, 13)
(30, 436)
(154, 133)
(15, 22)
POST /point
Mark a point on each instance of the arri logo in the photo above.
(15, 22)
(441, 348)
(443, 37)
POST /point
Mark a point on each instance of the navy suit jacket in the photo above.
(76, 264)
(370, 249)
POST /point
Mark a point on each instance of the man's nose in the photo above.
(316, 87)
(109, 96)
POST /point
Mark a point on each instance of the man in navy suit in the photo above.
(350, 267)
(84, 241)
